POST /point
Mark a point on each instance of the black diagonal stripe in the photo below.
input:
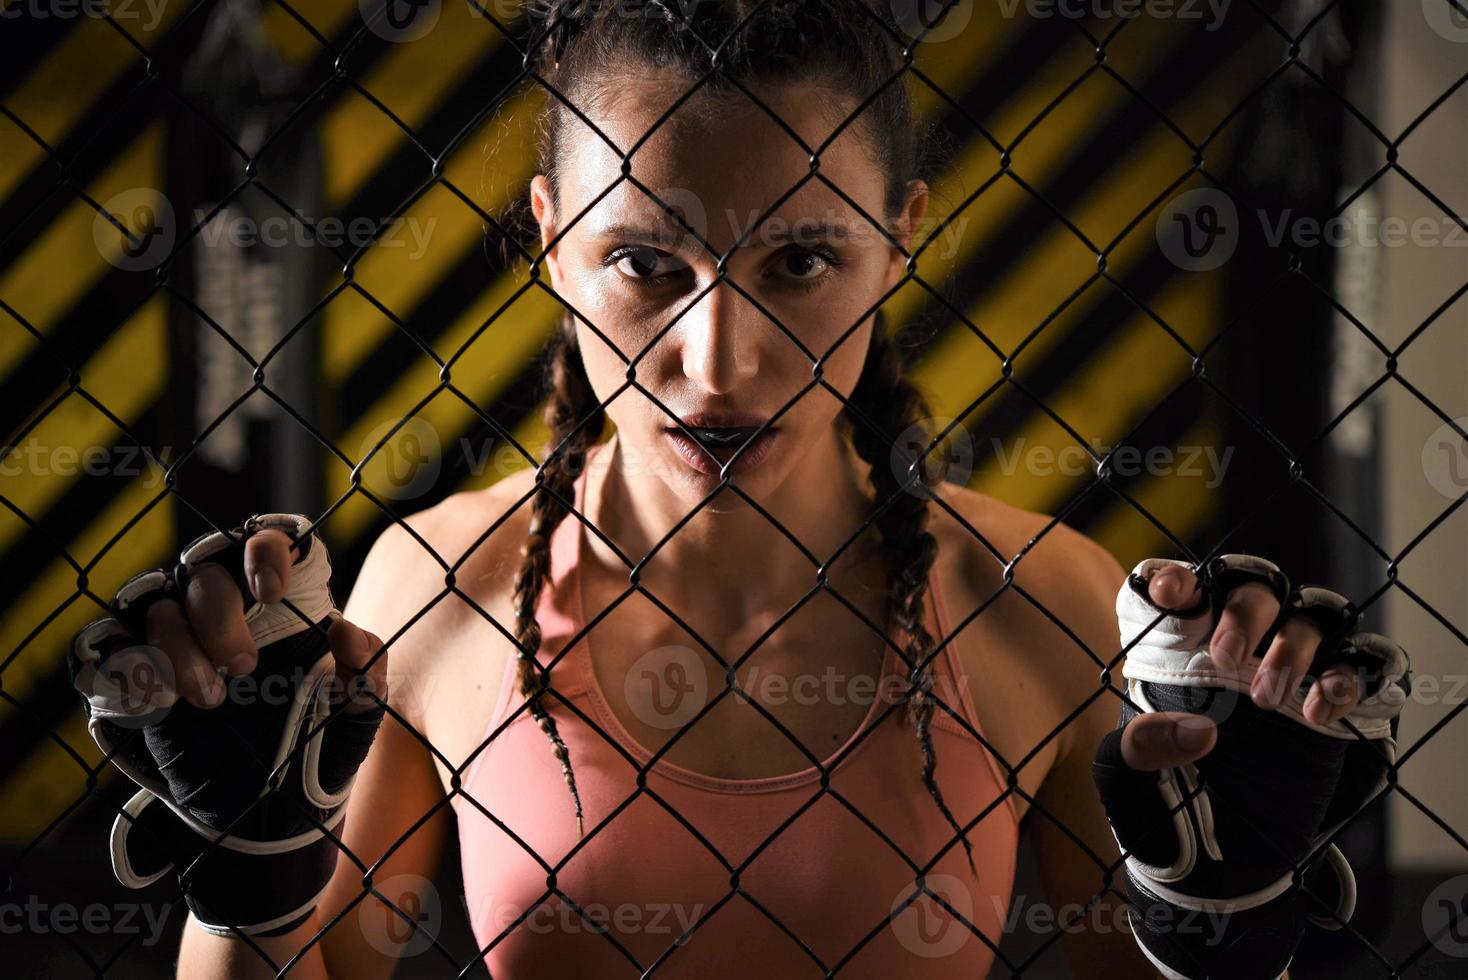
(85, 498)
(466, 279)
(1165, 428)
(25, 41)
(124, 111)
(463, 455)
(1002, 253)
(1100, 314)
(41, 375)
(83, 328)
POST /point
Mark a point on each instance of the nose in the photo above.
(721, 337)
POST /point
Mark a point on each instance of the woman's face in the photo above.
(814, 264)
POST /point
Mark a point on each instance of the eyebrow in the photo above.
(672, 234)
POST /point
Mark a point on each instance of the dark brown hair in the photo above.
(851, 48)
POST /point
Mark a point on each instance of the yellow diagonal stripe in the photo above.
(1077, 119)
(486, 368)
(64, 263)
(127, 375)
(66, 84)
(75, 440)
(411, 80)
(958, 368)
(48, 781)
(1184, 505)
(1101, 400)
(432, 238)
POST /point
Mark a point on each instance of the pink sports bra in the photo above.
(708, 877)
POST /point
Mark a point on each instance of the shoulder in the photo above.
(428, 581)
(983, 535)
(1048, 593)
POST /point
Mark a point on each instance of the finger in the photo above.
(1334, 695)
(354, 648)
(1285, 663)
(196, 679)
(1163, 739)
(1247, 614)
(1174, 587)
(268, 561)
(216, 612)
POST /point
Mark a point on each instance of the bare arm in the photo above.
(1099, 943)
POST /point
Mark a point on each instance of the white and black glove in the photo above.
(241, 800)
(1217, 850)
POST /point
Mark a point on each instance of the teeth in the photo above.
(723, 436)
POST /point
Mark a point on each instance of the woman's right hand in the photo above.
(232, 691)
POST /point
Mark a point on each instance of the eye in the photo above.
(645, 264)
(808, 266)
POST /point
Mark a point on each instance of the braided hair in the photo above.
(576, 44)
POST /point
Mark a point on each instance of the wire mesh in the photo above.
(337, 73)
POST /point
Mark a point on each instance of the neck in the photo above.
(752, 568)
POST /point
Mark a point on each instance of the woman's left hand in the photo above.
(1237, 761)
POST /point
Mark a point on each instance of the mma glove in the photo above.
(243, 801)
(1228, 857)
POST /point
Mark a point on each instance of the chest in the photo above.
(800, 698)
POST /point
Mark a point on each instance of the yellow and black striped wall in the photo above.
(1061, 138)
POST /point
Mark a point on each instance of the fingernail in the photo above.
(1190, 738)
(266, 585)
(1231, 646)
(239, 664)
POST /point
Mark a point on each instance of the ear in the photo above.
(909, 218)
(542, 205)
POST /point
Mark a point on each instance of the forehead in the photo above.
(718, 157)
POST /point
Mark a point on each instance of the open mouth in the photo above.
(713, 446)
(722, 437)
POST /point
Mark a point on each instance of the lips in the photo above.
(709, 440)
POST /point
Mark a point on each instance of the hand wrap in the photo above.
(237, 799)
(1213, 846)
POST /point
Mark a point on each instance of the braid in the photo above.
(893, 404)
(572, 398)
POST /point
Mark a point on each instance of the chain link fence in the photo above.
(1144, 196)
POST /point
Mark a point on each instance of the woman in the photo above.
(865, 827)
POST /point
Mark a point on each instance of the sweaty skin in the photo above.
(1025, 675)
